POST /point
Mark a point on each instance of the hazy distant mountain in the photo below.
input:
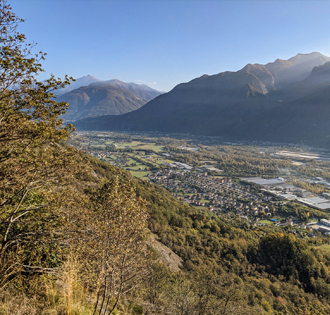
(83, 81)
(106, 98)
(305, 119)
(296, 68)
(141, 90)
(317, 80)
(238, 104)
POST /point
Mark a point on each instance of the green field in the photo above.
(137, 145)
(140, 174)
(138, 165)
(201, 208)
(156, 148)
(98, 146)
(265, 222)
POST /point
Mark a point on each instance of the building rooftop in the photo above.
(316, 202)
(288, 196)
(262, 181)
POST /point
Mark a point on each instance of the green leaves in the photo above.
(34, 164)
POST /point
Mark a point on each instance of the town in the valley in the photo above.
(182, 169)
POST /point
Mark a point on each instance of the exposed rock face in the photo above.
(166, 255)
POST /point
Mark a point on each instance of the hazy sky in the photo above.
(166, 42)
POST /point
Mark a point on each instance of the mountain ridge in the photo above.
(223, 103)
(112, 97)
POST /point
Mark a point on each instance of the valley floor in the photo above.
(264, 185)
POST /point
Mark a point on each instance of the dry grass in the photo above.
(16, 305)
(64, 296)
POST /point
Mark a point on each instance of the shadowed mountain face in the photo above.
(305, 120)
(240, 105)
(106, 98)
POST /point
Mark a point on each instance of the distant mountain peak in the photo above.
(299, 58)
(82, 81)
(93, 97)
(114, 80)
(89, 77)
(296, 68)
(278, 61)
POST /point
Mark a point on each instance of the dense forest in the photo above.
(75, 231)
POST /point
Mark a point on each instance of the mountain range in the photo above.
(90, 97)
(282, 101)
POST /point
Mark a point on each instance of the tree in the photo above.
(181, 299)
(218, 294)
(155, 284)
(113, 243)
(34, 166)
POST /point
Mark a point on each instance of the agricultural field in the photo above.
(140, 151)
(265, 222)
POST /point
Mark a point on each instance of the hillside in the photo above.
(222, 104)
(303, 121)
(80, 236)
(230, 254)
(112, 97)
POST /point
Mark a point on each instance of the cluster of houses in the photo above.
(319, 181)
(219, 194)
(99, 154)
(222, 195)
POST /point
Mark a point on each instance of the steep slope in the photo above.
(228, 103)
(106, 98)
(305, 120)
(317, 80)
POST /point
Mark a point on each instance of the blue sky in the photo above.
(165, 42)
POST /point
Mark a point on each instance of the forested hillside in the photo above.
(57, 254)
(254, 269)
